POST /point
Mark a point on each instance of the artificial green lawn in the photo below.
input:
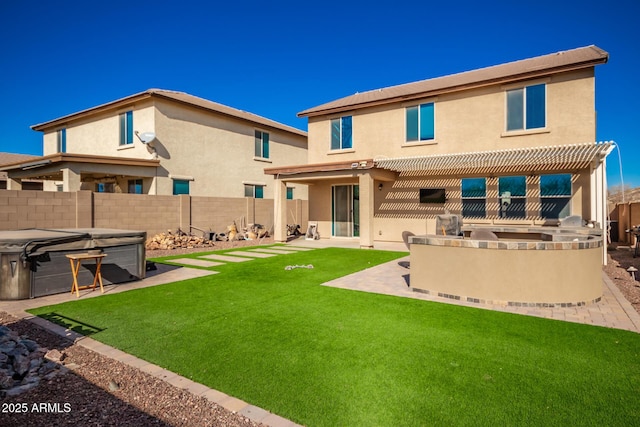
(323, 356)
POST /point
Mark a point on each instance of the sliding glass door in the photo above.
(345, 210)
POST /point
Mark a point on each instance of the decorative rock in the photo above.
(23, 363)
(55, 355)
(113, 386)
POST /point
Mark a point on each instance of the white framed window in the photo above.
(261, 144)
(555, 196)
(61, 146)
(126, 128)
(527, 107)
(420, 122)
(254, 191)
(474, 198)
(512, 192)
(342, 133)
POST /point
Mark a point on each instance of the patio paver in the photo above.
(252, 254)
(392, 278)
(196, 262)
(272, 251)
(226, 258)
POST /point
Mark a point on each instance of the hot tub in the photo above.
(33, 261)
(534, 268)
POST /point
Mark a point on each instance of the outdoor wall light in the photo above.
(380, 187)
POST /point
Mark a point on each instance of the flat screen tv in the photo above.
(432, 195)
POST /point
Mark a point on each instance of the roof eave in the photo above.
(41, 127)
(314, 112)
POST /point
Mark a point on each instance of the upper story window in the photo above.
(526, 108)
(421, 122)
(555, 195)
(61, 141)
(180, 186)
(289, 193)
(126, 128)
(254, 191)
(474, 197)
(341, 133)
(262, 144)
(512, 191)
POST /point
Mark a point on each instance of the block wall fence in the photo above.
(627, 215)
(21, 209)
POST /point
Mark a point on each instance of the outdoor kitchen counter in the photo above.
(525, 272)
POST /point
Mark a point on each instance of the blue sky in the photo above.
(278, 58)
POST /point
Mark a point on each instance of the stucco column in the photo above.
(280, 211)
(14, 184)
(367, 195)
(70, 180)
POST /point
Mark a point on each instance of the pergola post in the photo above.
(280, 211)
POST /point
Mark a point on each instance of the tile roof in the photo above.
(175, 96)
(527, 68)
(8, 158)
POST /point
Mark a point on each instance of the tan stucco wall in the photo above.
(218, 152)
(467, 121)
(531, 276)
(396, 206)
(215, 152)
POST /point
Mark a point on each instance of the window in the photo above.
(62, 141)
(289, 193)
(255, 191)
(512, 191)
(526, 108)
(105, 187)
(555, 196)
(180, 186)
(474, 198)
(126, 128)
(421, 122)
(341, 133)
(135, 186)
(262, 144)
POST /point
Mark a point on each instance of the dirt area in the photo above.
(620, 259)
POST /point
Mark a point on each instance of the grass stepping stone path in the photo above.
(195, 262)
(296, 248)
(226, 258)
(252, 254)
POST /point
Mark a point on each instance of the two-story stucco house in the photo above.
(164, 142)
(507, 144)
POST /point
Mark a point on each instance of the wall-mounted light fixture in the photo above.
(380, 187)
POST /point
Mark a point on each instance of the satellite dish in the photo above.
(146, 137)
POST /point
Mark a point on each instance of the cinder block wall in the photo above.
(153, 214)
(36, 209)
